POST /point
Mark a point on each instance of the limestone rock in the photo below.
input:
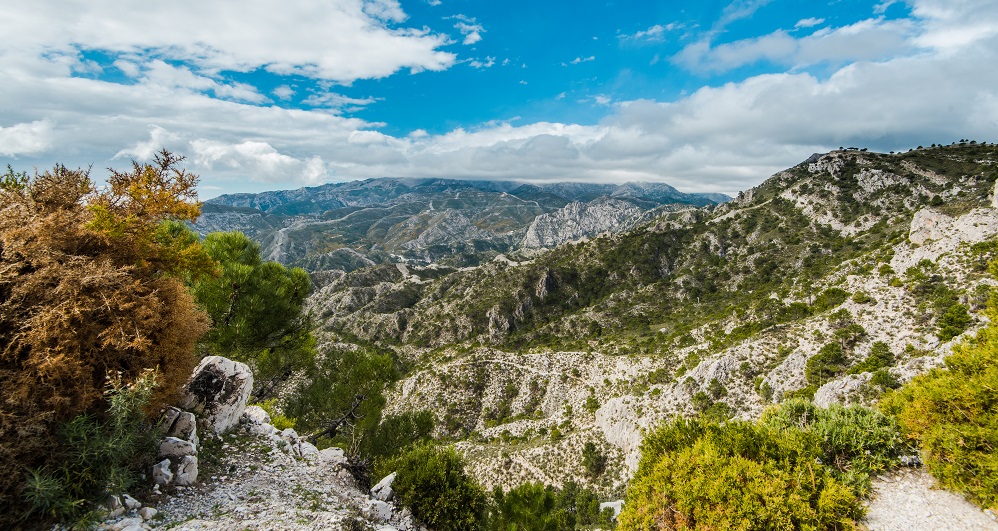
(255, 415)
(147, 512)
(928, 224)
(380, 510)
(130, 503)
(187, 471)
(218, 392)
(579, 220)
(185, 427)
(174, 447)
(842, 391)
(383, 490)
(114, 506)
(161, 473)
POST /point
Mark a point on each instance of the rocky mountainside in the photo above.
(346, 226)
(835, 279)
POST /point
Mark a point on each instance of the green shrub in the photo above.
(952, 414)
(854, 441)
(953, 322)
(433, 484)
(828, 363)
(398, 433)
(535, 507)
(701, 474)
(880, 357)
(97, 457)
(830, 298)
(277, 420)
(593, 460)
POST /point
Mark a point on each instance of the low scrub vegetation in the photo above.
(952, 414)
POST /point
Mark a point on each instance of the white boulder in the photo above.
(161, 474)
(187, 471)
(383, 490)
(174, 447)
(218, 391)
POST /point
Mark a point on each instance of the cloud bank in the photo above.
(892, 85)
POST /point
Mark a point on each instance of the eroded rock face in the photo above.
(217, 392)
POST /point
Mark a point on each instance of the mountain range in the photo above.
(346, 226)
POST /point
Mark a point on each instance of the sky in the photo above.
(706, 95)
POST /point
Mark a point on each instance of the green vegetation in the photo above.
(535, 507)
(256, 311)
(704, 474)
(880, 357)
(433, 484)
(952, 414)
(90, 295)
(828, 363)
(97, 456)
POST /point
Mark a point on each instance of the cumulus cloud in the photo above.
(344, 41)
(929, 82)
(25, 138)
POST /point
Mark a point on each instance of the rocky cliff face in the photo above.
(577, 221)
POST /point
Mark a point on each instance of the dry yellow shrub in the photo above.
(79, 302)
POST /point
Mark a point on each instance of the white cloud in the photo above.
(602, 99)
(344, 41)
(935, 86)
(578, 60)
(283, 92)
(26, 138)
(808, 22)
(488, 63)
(468, 27)
(655, 33)
(337, 102)
(865, 40)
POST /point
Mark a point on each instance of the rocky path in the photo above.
(906, 500)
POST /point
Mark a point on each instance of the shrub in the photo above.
(277, 420)
(828, 363)
(433, 484)
(90, 286)
(855, 441)
(593, 460)
(952, 414)
(535, 507)
(830, 298)
(880, 357)
(700, 474)
(97, 457)
(953, 322)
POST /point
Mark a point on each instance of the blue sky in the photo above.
(709, 96)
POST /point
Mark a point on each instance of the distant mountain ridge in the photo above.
(360, 223)
(370, 192)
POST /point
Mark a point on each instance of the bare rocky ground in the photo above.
(250, 481)
(908, 500)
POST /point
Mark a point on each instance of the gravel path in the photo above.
(907, 500)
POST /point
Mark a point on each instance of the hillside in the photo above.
(720, 310)
(347, 226)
